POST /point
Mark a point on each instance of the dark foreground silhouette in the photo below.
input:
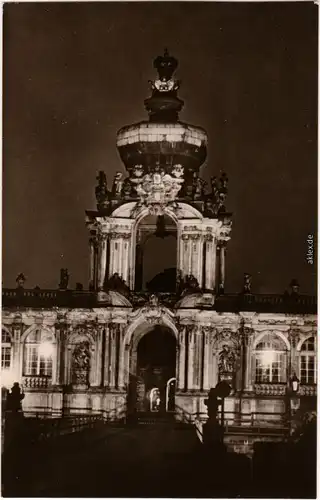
(155, 461)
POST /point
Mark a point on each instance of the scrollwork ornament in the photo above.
(208, 237)
(195, 237)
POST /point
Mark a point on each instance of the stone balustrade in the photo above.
(307, 390)
(270, 389)
(36, 382)
(21, 297)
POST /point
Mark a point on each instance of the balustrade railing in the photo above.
(307, 390)
(227, 302)
(270, 389)
(252, 423)
(183, 415)
(36, 382)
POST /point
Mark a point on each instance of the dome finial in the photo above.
(165, 65)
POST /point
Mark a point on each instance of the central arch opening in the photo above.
(156, 254)
(156, 369)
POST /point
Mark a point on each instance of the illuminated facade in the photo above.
(130, 345)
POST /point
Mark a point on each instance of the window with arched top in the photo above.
(270, 356)
(6, 349)
(308, 370)
(37, 355)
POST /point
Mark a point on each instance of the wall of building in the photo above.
(109, 336)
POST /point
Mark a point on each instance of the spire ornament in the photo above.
(164, 105)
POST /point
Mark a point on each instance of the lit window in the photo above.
(37, 360)
(270, 355)
(308, 372)
(5, 349)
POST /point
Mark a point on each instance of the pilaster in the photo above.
(210, 263)
(206, 359)
(294, 338)
(249, 369)
(102, 260)
(17, 349)
(182, 358)
(60, 331)
(191, 367)
(92, 247)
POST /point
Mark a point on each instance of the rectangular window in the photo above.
(31, 360)
(45, 367)
(5, 357)
(268, 371)
(307, 369)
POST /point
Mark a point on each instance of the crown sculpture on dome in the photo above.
(162, 156)
(166, 66)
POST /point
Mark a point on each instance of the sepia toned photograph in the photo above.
(159, 250)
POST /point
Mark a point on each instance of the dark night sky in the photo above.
(75, 73)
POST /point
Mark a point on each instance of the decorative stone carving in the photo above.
(227, 336)
(64, 279)
(158, 186)
(227, 360)
(118, 284)
(215, 201)
(294, 337)
(20, 280)
(117, 185)
(247, 283)
(153, 301)
(247, 335)
(190, 285)
(101, 191)
(208, 237)
(81, 364)
(198, 187)
(118, 236)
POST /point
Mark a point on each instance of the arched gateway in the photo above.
(152, 371)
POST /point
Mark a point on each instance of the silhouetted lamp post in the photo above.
(223, 390)
(292, 393)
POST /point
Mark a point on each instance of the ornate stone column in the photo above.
(125, 258)
(294, 337)
(59, 369)
(182, 358)
(119, 255)
(247, 333)
(17, 349)
(92, 249)
(197, 360)
(180, 244)
(186, 254)
(210, 264)
(112, 365)
(191, 346)
(99, 353)
(197, 257)
(106, 375)
(102, 260)
(222, 262)
(121, 354)
(206, 358)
